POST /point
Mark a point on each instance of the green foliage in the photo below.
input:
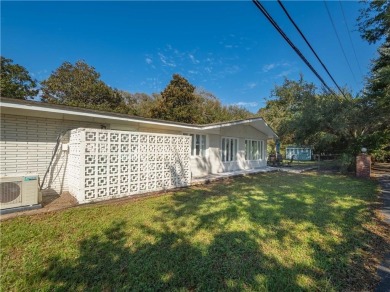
(347, 162)
(210, 108)
(15, 81)
(139, 104)
(337, 124)
(378, 145)
(375, 26)
(178, 102)
(212, 111)
(377, 94)
(79, 85)
(266, 232)
(329, 123)
(235, 112)
(181, 102)
(284, 107)
(374, 20)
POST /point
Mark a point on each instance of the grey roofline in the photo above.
(137, 118)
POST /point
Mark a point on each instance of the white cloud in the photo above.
(193, 59)
(208, 69)
(232, 69)
(166, 61)
(269, 67)
(285, 73)
(152, 82)
(251, 85)
(41, 74)
(148, 61)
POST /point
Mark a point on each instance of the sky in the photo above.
(227, 48)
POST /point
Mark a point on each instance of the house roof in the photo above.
(24, 106)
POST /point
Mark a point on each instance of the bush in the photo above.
(347, 163)
(381, 155)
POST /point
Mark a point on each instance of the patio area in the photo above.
(219, 176)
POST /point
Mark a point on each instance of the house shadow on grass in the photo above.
(231, 262)
(167, 257)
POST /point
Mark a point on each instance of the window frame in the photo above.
(254, 150)
(229, 149)
(201, 146)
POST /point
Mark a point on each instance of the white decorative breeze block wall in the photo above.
(105, 164)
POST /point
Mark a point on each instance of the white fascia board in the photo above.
(231, 124)
(92, 115)
(270, 133)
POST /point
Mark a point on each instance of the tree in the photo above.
(16, 81)
(378, 84)
(140, 104)
(182, 102)
(374, 20)
(79, 85)
(236, 112)
(178, 102)
(328, 122)
(285, 105)
(211, 109)
(374, 26)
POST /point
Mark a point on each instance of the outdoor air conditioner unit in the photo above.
(18, 191)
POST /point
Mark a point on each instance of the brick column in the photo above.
(363, 165)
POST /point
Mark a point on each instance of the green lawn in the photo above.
(274, 231)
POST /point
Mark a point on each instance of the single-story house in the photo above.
(39, 138)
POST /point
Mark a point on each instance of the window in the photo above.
(254, 149)
(229, 149)
(198, 144)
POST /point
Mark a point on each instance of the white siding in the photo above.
(27, 145)
(212, 163)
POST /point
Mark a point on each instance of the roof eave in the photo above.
(67, 110)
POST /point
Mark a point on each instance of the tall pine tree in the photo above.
(178, 102)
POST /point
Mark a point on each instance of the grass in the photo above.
(273, 231)
(323, 164)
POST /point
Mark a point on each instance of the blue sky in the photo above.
(227, 48)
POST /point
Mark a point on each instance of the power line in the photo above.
(277, 27)
(350, 38)
(311, 48)
(338, 38)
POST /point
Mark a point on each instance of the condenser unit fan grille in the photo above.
(10, 192)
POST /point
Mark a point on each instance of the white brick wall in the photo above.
(27, 145)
